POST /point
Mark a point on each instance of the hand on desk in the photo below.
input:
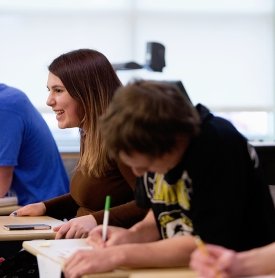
(76, 228)
(216, 261)
(98, 260)
(36, 209)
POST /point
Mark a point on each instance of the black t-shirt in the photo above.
(215, 191)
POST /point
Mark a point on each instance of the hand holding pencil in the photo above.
(212, 261)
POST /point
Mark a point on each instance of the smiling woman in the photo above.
(81, 84)
(68, 112)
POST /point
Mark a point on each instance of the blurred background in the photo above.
(221, 50)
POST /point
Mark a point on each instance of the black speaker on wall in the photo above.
(154, 59)
(155, 56)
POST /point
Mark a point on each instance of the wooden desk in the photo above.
(147, 273)
(55, 250)
(6, 235)
(164, 273)
(7, 210)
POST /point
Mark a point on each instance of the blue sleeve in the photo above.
(11, 134)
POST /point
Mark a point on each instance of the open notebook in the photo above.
(8, 201)
(56, 250)
(51, 254)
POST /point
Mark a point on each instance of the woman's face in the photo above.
(65, 107)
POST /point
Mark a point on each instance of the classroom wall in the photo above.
(222, 50)
(70, 161)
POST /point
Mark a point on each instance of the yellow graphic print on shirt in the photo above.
(173, 222)
(171, 194)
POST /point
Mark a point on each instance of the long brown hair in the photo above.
(91, 80)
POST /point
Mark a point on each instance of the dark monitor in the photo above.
(179, 84)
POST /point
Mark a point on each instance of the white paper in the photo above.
(48, 268)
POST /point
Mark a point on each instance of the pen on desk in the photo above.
(106, 217)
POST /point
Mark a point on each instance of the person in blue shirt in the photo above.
(30, 163)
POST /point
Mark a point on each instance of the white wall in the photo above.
(222, 50)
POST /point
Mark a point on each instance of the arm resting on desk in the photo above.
(144, 250)
(164, 253)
